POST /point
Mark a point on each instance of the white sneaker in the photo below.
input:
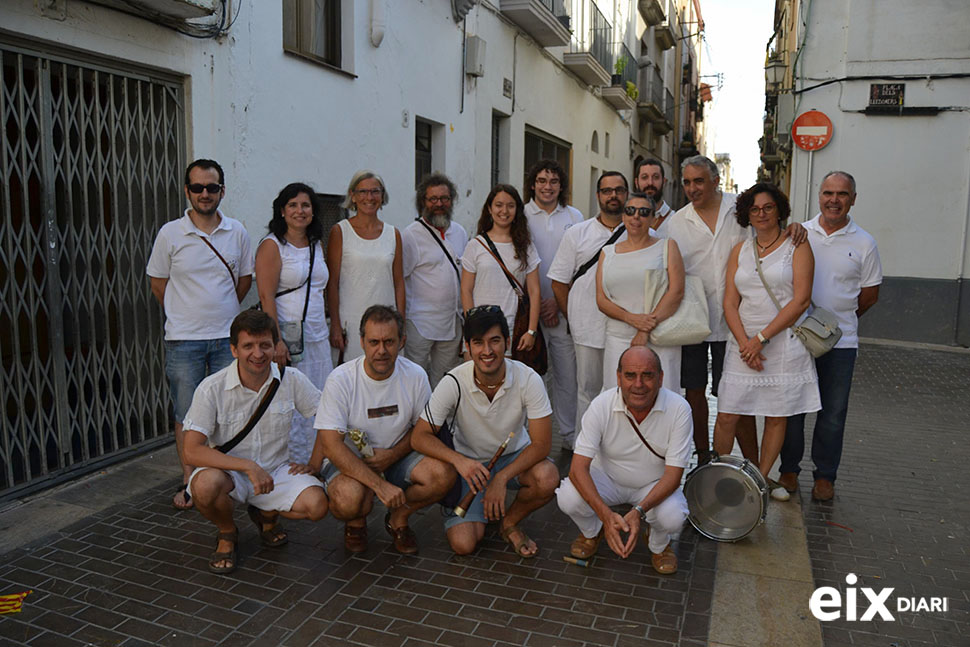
(778, 493)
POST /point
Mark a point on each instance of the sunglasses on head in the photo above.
(643, 212)
(199, 188)
(489, 309)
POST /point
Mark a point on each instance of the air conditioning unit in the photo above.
(474, 56)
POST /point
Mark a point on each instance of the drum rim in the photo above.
(754, 477)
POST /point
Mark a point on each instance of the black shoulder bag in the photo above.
(228, 446)
(591, 262)
(445, 434)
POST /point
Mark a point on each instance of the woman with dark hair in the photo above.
(503, 230)
(293, 295)
(775, 379)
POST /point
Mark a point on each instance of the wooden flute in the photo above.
(466, 501)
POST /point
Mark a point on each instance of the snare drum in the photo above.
(727, 498)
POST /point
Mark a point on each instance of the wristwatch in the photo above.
(643, 513)
(530, 332)
(764, 340)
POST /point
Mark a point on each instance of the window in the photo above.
(422, 151)
(500, 148)
(311, 28)
(540, 146)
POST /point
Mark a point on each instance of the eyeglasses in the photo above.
(488, 309)
(769, 210)
(199, 188)
(618, 190)
(370, 192)
(643, 212)
(438, 199)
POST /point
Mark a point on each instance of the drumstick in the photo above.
(462, 506)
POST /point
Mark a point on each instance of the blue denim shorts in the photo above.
(187, 363)
(476, 511)
(398, 474)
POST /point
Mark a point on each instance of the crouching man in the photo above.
(364, 422)
(633, 448)
(251, 468)
(488, 398)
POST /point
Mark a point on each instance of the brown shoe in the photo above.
(665, 563)
(405, 541)
(789, 481)
(355, 538)
(824, 490)
(585, 547)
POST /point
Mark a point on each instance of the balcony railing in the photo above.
(589, 55)
(629, 72)
(669, 107)
(656, 87)
(600, 37)
(559, 9)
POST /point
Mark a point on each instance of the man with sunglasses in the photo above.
(200, 268)
(573, 277)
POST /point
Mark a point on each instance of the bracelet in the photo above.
(642, 512)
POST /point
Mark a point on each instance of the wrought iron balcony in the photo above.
(547, 21)
(652, 12)
(590, 57)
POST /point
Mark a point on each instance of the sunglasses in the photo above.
(489, 309)
(643, 212)
(199, 188)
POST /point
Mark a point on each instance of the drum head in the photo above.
(727, 498)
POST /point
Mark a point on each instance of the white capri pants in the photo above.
(666, 519)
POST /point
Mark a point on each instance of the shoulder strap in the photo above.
(308, 277)
(757, 266)
(227, 446)
(591, 262)
(215, 251)
(427, 406)
(642, 439)
(441, 244)
(306, 302)
(516, 286)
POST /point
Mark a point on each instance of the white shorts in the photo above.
(286, 488)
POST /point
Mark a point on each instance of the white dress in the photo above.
(366, 279)
(316, 362)
(623, 284)
(788, 385)
(492, 286)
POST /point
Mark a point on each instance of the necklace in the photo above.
(764, 248)
(489, 386)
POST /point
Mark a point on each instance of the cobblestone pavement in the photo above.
(135, 575)
(900, 515)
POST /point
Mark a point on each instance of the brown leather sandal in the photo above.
(585, 547)
(519, 546)
(355, 538)
(405, 541)
(272, 537)
(223, 556)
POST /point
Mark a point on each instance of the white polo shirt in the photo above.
(431, 284)
(222, 406)
(480, 425)
(200, 298)
(547, 230)
(385, 410)
(663, 210)
(579, 244)
(706, 254)
(845, 262)
(610, 441)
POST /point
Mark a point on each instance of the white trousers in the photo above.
(589, 379)
(666, 519)
(315, 365)
(669, 361)
(435, 357)
(562, 374)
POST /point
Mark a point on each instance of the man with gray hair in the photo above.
(433, 246)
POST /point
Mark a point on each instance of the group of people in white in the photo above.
(410, 394)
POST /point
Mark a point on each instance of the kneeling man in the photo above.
(367, 410)
(255, 470)
(632, 449)
(488, 398)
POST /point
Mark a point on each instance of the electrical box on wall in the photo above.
(474, 56)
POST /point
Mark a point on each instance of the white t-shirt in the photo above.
(547, 230)
(615, 448)
(492, 286)
(706, 254)
(385, 410)
(222, 406)
(294, 267)
(200, 297)
(579, 244)
(481, 426)
(430, 281)
(845, 262)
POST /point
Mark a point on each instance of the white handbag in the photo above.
(690, 324)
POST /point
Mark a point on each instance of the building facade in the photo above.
(900, 122)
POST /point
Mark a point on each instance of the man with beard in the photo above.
(200, 268)
(648, 177)
(549, 218)
(433, 246)
(573, 276)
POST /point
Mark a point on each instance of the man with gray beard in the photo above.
(433, 246)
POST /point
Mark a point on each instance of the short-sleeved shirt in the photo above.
(609, 440)
(706, 254)
(222, 406)
(431, 283)
(846, 261)
(200, 297)
(492, 286)
(579, 244)
(482, 425)
(385, 410)
(547, 230)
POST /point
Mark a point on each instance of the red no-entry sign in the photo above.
(811, 130)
